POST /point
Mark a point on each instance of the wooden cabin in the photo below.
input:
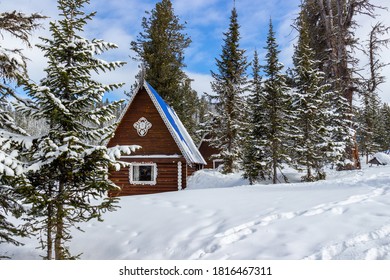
(168, 154)
(375, 161)
(209, 153)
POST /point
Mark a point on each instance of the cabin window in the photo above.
(143, 173)
(217, 163)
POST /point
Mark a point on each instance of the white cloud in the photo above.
(119, 21)
(201, 82)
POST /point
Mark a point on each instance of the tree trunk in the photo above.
(59, 250)
(49, 240)
(337, 26)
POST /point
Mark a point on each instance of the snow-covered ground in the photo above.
(221, 217)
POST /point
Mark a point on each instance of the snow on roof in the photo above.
(383, 158)
(175, 127)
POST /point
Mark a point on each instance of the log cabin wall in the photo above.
(158, 139)
(157, 142)
(207, 152)
(167, 177)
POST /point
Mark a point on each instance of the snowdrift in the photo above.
(344, 217)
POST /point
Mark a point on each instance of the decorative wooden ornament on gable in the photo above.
(142, 126)
(149, 122)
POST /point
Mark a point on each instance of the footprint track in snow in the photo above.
(332, 251)
(241, 232)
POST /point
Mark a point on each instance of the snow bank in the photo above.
(344, 217)
(211, 179)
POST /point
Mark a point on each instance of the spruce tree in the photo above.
(277, 100)
(68, 174)
(228, 87)
(254, 154)
(161, 48)
(332, 26)
(369, 124)
(383, 131)
(312, 134)
(371, 104)
(12, 69)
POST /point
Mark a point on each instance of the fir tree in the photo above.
(383, 137)
(370, 114)
(229, 85)
(12, 69)
(68, 174)
(277, 100)
(254, 156)
(312, 135)
(161, 48)
(368, 128)
(332, 24)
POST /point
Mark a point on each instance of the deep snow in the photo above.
(221, 217)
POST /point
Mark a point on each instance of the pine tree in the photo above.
(254, 155)
(312, 135)
(383, 128)
(229, 85)
(189, 105)
(12, 68)
(161, 48)
(277, 98)
(369, 132)
(332, 24)
(369, 119)
(68, 174)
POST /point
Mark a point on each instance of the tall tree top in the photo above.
(161, 47)
(232, 63)
(273, 64)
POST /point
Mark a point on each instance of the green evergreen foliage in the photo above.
(369, 124)
(370, 132)
(161, 48)
(313, 135)
(254, 155)
(12, 69)
(383, 136)
(68, 175)
(277, 100)
(332, 26)
(228, 86)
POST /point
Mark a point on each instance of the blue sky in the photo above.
(119, 21)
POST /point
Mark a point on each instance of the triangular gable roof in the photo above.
(173, 123)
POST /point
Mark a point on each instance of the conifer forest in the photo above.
(323, 112)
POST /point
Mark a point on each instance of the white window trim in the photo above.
(215, 161)
(154, 179)
(179, 176)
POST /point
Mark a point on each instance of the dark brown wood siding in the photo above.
(157, 141)
(207, 152)
(167, 177)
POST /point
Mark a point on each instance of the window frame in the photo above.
(217, 162)
(137, 164)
